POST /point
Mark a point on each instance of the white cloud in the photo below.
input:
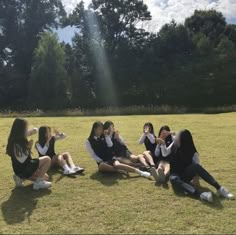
(163, 11)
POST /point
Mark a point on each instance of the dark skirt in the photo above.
(27, 169)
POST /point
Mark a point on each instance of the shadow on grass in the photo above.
(21, 204)
(163, 185)
(56, 171)
(215, 205)
(110, 178)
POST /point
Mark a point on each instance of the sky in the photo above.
(163, 11)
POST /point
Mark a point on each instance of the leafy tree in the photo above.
(21, 23)
(48, 78)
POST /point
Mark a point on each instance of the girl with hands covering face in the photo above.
(46, 146)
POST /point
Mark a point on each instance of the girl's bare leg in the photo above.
(166, 169)
(104, 167)
(61, 161)
(68, 159)
(148, 158)
(120, 166)
(44, 166)
(140, 158)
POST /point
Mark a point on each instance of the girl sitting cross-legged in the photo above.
(24, 166)
(46, 146)
(99, 145)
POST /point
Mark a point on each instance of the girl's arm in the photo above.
(142, 138)
(42, 150)
(157, 151)
(166, 150)
(92, 153)
(151, 137)
(60, 136)
(196, 158)
(108, 141)
(32, 131)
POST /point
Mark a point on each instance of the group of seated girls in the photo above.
(167, 157)
(25, 167)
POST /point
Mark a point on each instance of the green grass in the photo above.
(101, 203)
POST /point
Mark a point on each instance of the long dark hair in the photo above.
(163, 128)
(151, 128)
(94, 127)
(187, 146)
(107, 124)
(18, 136)
(42, 135)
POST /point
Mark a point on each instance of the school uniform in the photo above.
(149, 140)
(119, 147)
(184, 168)
(22, 163)
(100, 149)
(158, 153)
(49, 149)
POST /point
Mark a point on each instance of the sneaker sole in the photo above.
(80, 171)
(154, 173)
(70, 174)
(161, 175)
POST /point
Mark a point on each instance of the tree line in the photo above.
(113, 60)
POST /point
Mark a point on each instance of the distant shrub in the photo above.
(113, 111)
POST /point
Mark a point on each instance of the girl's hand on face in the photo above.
(48, 140)
(117, 135)
(105, 132)
(160, 141)
(146, 130)
(164, 134)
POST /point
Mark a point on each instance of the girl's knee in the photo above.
(174, 178)
(46, 177)
(45, 159)
(116, 164)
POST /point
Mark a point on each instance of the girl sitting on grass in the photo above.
(148, 138)
(119, 147)
(24, 166)
(99, 146)
(183, 168)
(163, 169)
(46, 146)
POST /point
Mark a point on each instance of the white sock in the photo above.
(66, 167)
(39, 179)
(72, 166)
(138, 171)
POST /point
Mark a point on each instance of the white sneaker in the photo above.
(69, 172)
(41, 185)
(154, 173)
(18, 181)
(223, 192)
(161, 175)
(206, 196)
(78, 169)
(145, 174)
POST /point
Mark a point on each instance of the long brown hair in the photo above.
(18, 136)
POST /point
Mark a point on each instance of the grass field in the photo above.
(100, 203)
